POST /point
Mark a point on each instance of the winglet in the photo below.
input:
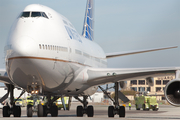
(88, 27)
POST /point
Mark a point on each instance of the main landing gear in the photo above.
(81, 110)
(116, 109)
(10, 107)
(43, 110)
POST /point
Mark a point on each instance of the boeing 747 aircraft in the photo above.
(46, 56)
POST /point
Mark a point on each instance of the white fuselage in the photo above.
(50, 52)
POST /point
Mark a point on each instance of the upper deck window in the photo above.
(39, 14)
(25, 14)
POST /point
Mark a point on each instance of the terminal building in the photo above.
(156, 90)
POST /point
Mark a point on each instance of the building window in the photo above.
(46, 47)
(163, 88)
(158, 82)
(165, 82)
(133, 82)
(43, 46)
(163, 98)
(134, 88)
(141, 89)
(141, 82)
(158, 89)
(148, 89)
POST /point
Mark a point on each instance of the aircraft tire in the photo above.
(5, 111)
(156, 109)
(144, 107)
(79, 111)
(40, 110)
(111, 111)
(17, 111)
(122, 111)
(54, 111)
(90, 111)
(44, 111)
(29, 111)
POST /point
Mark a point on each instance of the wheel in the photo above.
(156, 109)
(111, 111)
(44, 111)
(137, 107)
(40, 110)
(29, 111)
(144, 107)
(79, 111)
(54, 111)
(6, 111)
(17, 111)
(90, 111)
(121, 111)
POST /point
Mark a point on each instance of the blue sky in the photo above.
(120, 25)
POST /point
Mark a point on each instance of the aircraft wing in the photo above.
(117, 54)
(98, 76)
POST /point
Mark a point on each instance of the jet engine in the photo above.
(123, 84)
(172, 92)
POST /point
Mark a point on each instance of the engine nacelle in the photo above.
(150, 81)
(172, 92)
(123, 84)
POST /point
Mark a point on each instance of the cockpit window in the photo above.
(33, 14)
(25, 14)
(44, 15)
(38, 14)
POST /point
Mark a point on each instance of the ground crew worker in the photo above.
(129, 106)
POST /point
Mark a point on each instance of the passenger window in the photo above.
(40, 46)
(25, 14)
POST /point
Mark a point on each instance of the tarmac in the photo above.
(165, 112)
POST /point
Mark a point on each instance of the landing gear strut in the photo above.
(12, 108)
(116, 109)
(89, 110)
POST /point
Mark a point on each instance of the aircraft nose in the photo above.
(24, 46)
